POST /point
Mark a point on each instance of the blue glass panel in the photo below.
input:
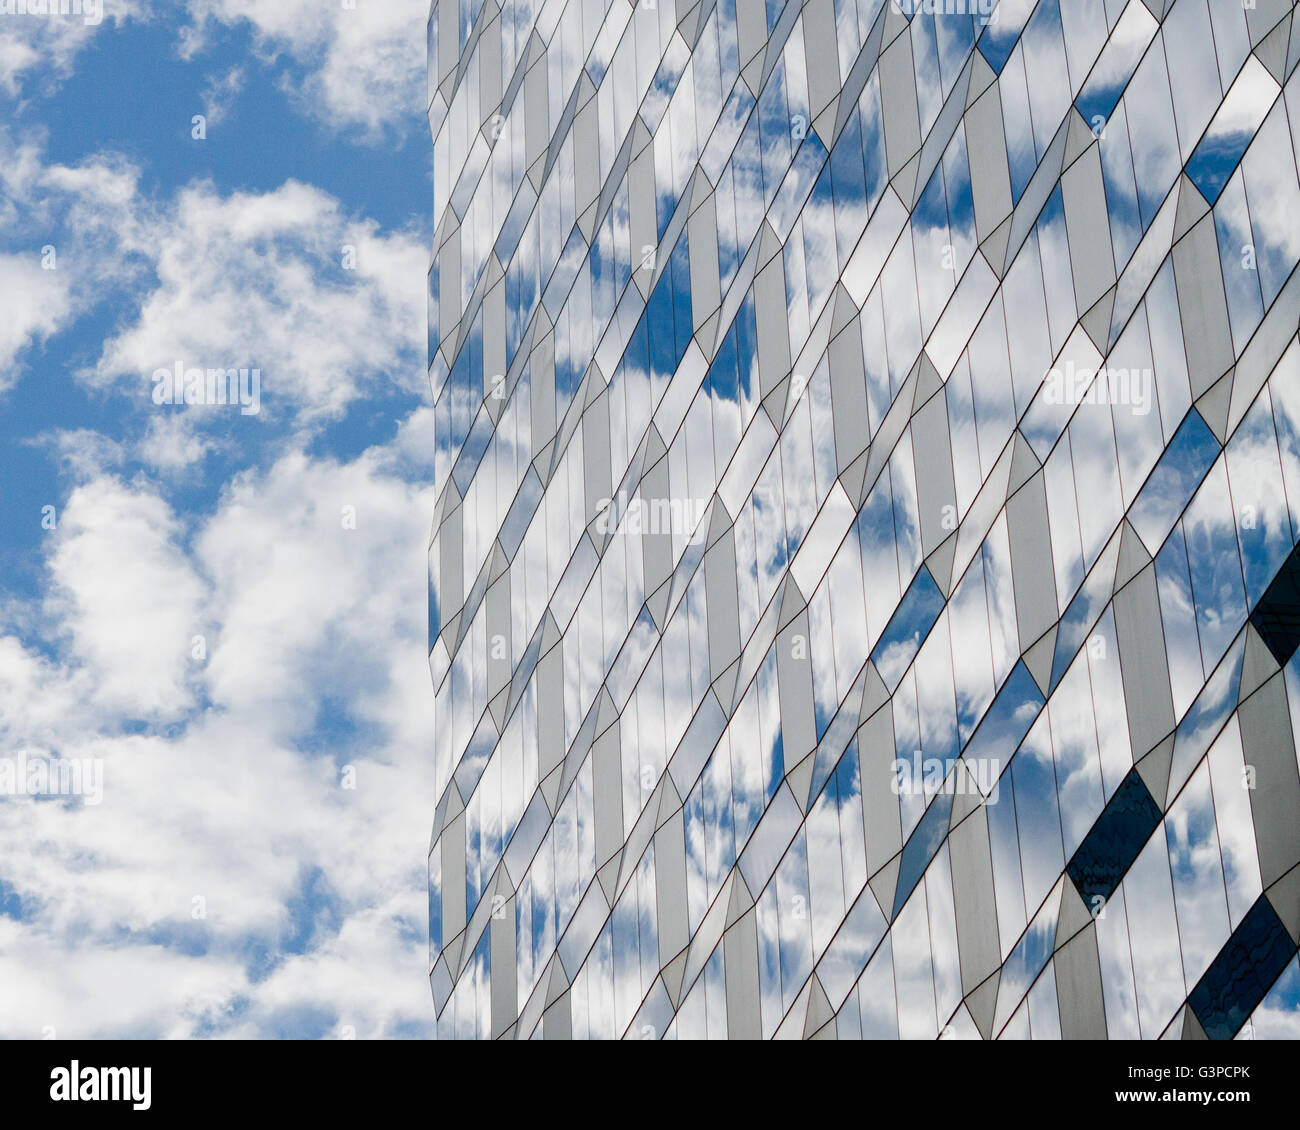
(1110, 848)
(1215, 160)
(434, 619)
(1111, 74)
(999, 38)
(680, 272)
(1242, 974)
(836, 739)
(1207, 715)
(724, 382)
(1008, 720)
(920, 849)
(908, 627)
(475, 445)
(1277, 616)
(1187, 460)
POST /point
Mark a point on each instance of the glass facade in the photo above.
(865, 597)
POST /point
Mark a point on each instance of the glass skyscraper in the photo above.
(865, 587)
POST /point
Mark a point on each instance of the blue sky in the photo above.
(223, 611)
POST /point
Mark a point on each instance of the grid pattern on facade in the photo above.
(864, 586)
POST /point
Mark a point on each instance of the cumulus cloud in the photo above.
(365, 64)
(34, 47)
(230, 671)
(74, 233)
(126, 598)
(231, 882)
(327, 305)
(283, 281)
(219, 91)
(244, 657)
(36, 304)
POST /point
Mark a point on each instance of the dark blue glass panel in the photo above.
(1240, 977)
(1110, 848)
(1277, 615)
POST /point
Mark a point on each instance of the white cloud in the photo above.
(77, 233)
(258, 280)
(32, 45)
(219, 92)
(327, 305)
(172, 444)
(223, 763)
(310, 628)
(126, 598)
(365, 64)
(35, 304)
(222, 775)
